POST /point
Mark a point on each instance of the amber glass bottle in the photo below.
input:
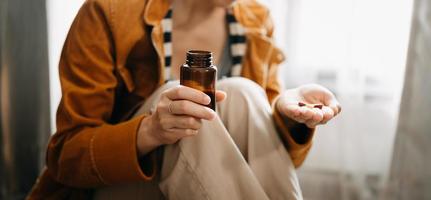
(198, 72)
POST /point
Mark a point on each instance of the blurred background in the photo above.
(365, 51)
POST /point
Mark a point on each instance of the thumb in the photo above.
(334, 105)
(220, 95)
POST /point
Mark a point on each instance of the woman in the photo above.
(127, 130)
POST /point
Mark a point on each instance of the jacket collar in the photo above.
(155, 11)
(250, 14)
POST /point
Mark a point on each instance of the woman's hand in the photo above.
(288, 106)
(178, 114)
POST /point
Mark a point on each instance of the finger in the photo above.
(186, 122)
(185, 107)
(334, 105)
(318, 115)
(328, 114)
(186, 93)
(299, 120)
(296, 117)
(316, 119)
(306, 113)
(336, 108)
(179, 133)
(310, 124)
(293, 112)
(175, 134)
(290, 110)
(220, 95)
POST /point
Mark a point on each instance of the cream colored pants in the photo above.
(236, 156)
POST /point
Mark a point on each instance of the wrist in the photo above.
(277, 107)
(299, 132)
(146, 140)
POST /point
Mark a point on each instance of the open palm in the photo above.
(311, 94)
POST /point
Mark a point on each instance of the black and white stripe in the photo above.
(167, 43)
(237, 42)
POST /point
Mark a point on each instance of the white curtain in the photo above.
(358, 49)
(411, 165)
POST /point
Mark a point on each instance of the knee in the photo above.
(239, 86)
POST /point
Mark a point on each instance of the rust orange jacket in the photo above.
(112, 60)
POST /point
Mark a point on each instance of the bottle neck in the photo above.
(198, 58)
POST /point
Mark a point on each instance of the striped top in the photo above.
(236, 43)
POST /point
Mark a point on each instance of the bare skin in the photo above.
(201, 25)
(287, 105)
(197, 25)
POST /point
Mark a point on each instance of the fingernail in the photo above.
(213, 114)
(207, 99)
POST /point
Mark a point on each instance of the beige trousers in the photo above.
(236, 156)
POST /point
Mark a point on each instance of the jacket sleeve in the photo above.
(87, 151)
(296, 137)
